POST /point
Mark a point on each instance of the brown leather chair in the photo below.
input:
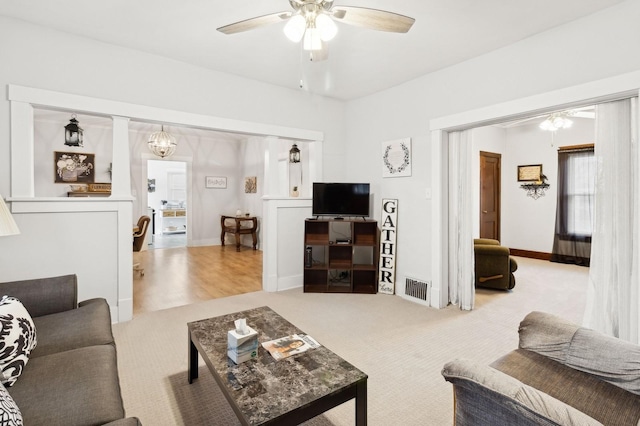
(139, 238)
(494, 267)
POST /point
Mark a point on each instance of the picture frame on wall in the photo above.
(396, 158)
(216, 182)
(251, 185)
(73, 167)
(530, 173)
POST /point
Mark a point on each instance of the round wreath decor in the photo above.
(401, 167)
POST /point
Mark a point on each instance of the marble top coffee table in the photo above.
(265, 391)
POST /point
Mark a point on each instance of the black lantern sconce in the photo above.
(73, 133)
(295, 171)
(294, 154)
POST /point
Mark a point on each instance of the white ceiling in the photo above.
(361, 61)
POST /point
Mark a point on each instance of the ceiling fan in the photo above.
(312, 21)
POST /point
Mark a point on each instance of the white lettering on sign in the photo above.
(386, 270)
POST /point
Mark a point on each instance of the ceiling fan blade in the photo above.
(250, 24)
(375, 19)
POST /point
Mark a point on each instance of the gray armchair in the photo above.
(561, 374)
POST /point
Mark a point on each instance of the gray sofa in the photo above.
(71, 377)
(561, 374)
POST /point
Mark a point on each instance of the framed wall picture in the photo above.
(396, 158)
(529, 173)
(73, 167)
(218, 182)
(251, 185)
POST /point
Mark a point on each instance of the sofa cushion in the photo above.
(88, 325)
(485, 396)
(17, 339)
(608, 358)
(9, 412)
(77, 387)
(609, 404)
(44, 296)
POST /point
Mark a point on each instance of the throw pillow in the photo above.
(9, 412)
(17, 339)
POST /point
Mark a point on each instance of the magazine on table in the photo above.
(294, 344)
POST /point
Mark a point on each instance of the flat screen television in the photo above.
(340, 199)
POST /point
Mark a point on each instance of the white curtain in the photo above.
(461, 264)
(613, 296)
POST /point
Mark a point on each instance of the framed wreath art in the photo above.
(396, 158)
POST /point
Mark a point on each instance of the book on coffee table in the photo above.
(294, 344)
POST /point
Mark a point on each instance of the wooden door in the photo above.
(490, 195)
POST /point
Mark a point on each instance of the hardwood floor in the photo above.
(184, 275)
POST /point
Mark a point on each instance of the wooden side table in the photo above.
(236, 228)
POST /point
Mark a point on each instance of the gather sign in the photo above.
(386, 270)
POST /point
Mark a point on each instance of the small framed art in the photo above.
(218, 182)
(529, 173)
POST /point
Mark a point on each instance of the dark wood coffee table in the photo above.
(265, 391)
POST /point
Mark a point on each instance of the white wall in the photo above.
(49, 138)
(353, 132)
(529, 224)
(536, 65)
(33, 56)
(526, 224)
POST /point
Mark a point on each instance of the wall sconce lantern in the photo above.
(295, 171)
(536, 189)
(73, 133)
(294, 154)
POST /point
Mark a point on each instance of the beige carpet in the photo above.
(401, 345)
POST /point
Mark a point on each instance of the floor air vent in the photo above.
(417, 289)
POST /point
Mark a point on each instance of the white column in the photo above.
(120, 173)
(121, 187)
(22, 150)
(271, 148)
(315, 166)
(439, 212)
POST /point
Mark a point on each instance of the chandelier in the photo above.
(557, 120)
(312, 24)
(162, 143)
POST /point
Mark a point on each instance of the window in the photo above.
(579, 192)
(576, 205)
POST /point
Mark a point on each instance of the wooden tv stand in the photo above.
(344, 256)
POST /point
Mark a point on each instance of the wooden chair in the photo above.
(139, 234)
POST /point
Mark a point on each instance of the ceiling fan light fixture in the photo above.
(327, 28)
(295, 28)
(312, 40)
(557, 121)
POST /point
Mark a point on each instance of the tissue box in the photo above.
(242, 347)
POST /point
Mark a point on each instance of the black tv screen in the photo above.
(340, 199)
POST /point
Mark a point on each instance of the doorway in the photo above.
(167, 201)
(490, 164)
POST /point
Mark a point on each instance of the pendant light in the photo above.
(162, 143)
